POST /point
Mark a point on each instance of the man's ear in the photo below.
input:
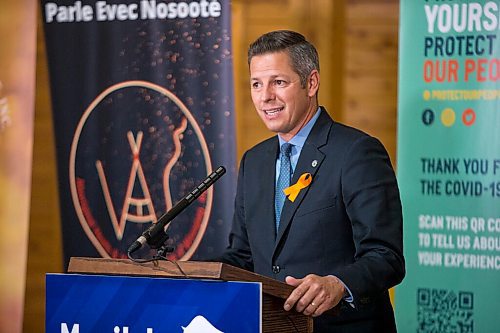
(313, 83)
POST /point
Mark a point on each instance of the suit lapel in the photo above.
(309, 161)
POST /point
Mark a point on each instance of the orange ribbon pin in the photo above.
(293, 191)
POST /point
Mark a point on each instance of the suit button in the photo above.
(276, 269)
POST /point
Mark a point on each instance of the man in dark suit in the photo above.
(335, 232)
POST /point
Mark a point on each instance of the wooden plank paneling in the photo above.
(371, 67)
(44, 248)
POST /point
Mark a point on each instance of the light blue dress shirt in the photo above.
(298, 142)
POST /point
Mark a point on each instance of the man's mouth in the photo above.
(273, 111)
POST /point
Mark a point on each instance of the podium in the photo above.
(274, 318)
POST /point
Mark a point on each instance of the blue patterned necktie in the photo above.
(283, 180)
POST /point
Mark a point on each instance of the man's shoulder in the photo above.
(352, 142)
(345, 140)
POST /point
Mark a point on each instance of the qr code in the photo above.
(445, 311)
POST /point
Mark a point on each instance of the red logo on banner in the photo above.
(468, 117)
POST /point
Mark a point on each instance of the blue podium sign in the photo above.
(114, 304)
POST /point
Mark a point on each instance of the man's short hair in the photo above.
(303, 54)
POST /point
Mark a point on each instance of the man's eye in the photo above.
(280, 82)
(255, 85)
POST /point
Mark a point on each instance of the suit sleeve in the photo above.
(238, 252)
(371, 197)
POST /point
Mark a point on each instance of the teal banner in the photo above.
(449, 165)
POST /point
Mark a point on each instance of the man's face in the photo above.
(281, 102)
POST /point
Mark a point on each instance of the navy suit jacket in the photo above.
(347, 222)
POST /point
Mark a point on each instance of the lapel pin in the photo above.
(314, 163)
(293, 191)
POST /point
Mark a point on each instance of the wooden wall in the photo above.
(44, 246)
(357, 42)
(370, 69)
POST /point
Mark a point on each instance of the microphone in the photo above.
(155, 235)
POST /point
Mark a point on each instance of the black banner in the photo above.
(142, 97)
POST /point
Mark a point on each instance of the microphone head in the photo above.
(220, 170)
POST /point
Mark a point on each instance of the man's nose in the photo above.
(267, 93)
